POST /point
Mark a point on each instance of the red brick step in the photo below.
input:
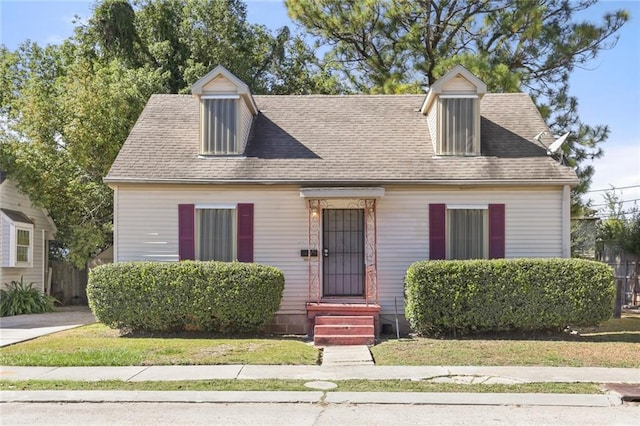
(344, 320)
(335, 330)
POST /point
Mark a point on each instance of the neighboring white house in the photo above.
(25, 232)
(342, 193)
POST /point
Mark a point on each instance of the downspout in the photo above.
(116, 207)
(566, 221)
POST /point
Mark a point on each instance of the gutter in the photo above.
(112, 182)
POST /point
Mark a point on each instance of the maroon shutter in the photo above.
(186, 232)
(437, 231)
(496, 231)
(245, 232)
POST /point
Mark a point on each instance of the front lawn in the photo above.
(616, 343)
(97, 344)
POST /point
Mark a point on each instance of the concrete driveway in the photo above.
(19, 328)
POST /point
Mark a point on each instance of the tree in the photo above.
(66, 118)
(621, 228)
(66, 110)
(533, 45)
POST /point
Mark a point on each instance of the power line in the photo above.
(613, 189)
(616, 202)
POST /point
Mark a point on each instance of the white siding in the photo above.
(220, 85)
(459, 84)
(147, 229)
(11, 198)
(246, 118)
(432, 121)
(532, 228)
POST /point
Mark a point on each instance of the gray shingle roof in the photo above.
(363, 139)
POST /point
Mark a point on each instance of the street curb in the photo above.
(396, 398)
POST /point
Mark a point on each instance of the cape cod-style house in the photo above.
(342, 193)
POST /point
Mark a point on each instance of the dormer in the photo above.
(452, 107)
(226, 112)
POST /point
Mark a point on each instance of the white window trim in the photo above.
(459, 96)
(467, 206)
(220, 97)
(14, 227)
(485, 226)
(234, 232)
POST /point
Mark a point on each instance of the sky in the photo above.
(608, 91)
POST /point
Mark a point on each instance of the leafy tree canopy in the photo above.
(66, 110)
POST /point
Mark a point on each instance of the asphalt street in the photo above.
(302, 414)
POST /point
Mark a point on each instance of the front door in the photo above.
(343, 252)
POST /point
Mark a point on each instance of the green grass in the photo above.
(298, 385)
(97, 345)
(616, 343)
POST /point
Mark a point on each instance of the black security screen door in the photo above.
(343, 252)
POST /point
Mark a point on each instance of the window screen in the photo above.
(458, 126)
(219, 135)
(215, 234)
(467, 234)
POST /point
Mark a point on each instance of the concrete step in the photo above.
(343, 329)
(344, 320)
(343, 339)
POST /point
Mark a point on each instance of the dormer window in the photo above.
(459, 125)
(227, 110)
(452, 107)
(219, 118)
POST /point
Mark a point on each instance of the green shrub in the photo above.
(19, 298)
(497, 295)
(190, 295)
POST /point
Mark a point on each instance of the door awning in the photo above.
(342, 192)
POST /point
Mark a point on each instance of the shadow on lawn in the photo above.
(625, 332)
(206, 335)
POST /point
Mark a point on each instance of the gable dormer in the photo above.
(452, 107)
(226, 112)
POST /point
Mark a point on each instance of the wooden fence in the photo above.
(626, 273)
(68, 283)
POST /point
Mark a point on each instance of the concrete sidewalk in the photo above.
(438, 374)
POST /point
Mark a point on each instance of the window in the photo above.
(459, 126)
(215, 231)
(219, 125)
(23, 245)
(18, 245)
(218, 232)
(467, 231)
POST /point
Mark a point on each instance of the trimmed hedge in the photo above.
(463, 296)
(185, 296)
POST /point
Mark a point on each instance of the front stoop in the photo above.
(371, 313)
(339, 330)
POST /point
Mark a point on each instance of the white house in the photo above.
(25, 232)
(342, 193)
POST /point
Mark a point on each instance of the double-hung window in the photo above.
(219, 124)
(215, 232)
(459, 125)
(19, 242)
(467, 232)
